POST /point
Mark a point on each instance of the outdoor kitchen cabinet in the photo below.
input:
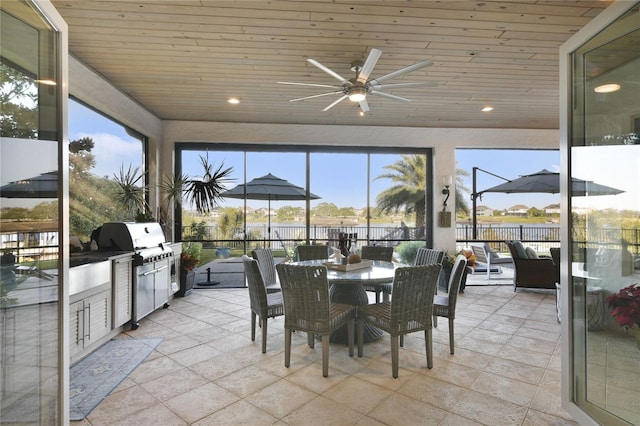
(89, 319)
(90, 296)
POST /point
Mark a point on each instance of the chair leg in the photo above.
(264, 335)
(402, 340)
(435, 321)
(378, 292)
(325, 355)
(287, 347)
(360, 337)
(311, 340)
(394, 356)
(428, 342)
(350, 327)
(451, 335)
(253, 326)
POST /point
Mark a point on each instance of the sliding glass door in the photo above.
(368, 192)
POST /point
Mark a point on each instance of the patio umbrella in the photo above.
(549, 182)
(44, 185)
(268, 187)
(543, 181)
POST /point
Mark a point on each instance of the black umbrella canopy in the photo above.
(268, 187)
(44, 185)
(549, 182)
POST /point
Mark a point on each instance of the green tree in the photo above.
(18, 104)
(409, 194)
(408, 191)
(81, 160)
(325, 209)
(462, 193)
(288, 213)
(229, 220)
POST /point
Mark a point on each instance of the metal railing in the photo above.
(540, 237)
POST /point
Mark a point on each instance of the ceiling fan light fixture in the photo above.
(607, 88)
(357, 94)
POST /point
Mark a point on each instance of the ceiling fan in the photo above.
(356, 89)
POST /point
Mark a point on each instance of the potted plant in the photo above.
(189, 259)
(625, 309)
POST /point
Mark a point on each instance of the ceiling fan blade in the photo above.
(387, 95)
(315, 96)
(399, 85)
(371, 61)
(335, 103)
(329, 71)
(364, 106)
(308, 84)
(402, 71)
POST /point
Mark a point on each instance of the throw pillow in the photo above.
(522, 254)
(531, 253)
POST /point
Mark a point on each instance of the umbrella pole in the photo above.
(269, 221)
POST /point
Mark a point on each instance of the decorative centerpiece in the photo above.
(625, 309)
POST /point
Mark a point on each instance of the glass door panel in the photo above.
(605, 221)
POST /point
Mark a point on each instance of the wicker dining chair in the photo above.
(445, 305)
(313, 252)
(410, 310)
(305, 290)
(263, 305)
(428, 256)
(378, 253)
(266, 262)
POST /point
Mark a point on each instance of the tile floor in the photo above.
(505, 371)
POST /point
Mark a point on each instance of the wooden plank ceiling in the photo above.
(183, 59)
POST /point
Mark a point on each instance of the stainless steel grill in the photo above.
(152, 261)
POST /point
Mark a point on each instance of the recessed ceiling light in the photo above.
(607, 88)
(233, 101)
(361, 113)
(487, 109)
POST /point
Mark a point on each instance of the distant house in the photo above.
(518, 210)
(552, 209)
(484, 211)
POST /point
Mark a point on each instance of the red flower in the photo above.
(625, 306)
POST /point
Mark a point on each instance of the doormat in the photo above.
(93, 378)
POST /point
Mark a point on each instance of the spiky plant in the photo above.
(130, 194)
(205, 193)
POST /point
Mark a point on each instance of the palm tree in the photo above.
(409, 176)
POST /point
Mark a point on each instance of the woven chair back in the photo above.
(305, 290)
(266, 263)
(457, 274)
(257, 290)
(412, 301)
(427, 256)
(377, 253)
(313, 252)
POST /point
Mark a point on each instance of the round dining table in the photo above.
(347, 287)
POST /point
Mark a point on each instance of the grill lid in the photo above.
(147, 239)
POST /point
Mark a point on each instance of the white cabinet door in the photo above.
(98, 316)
